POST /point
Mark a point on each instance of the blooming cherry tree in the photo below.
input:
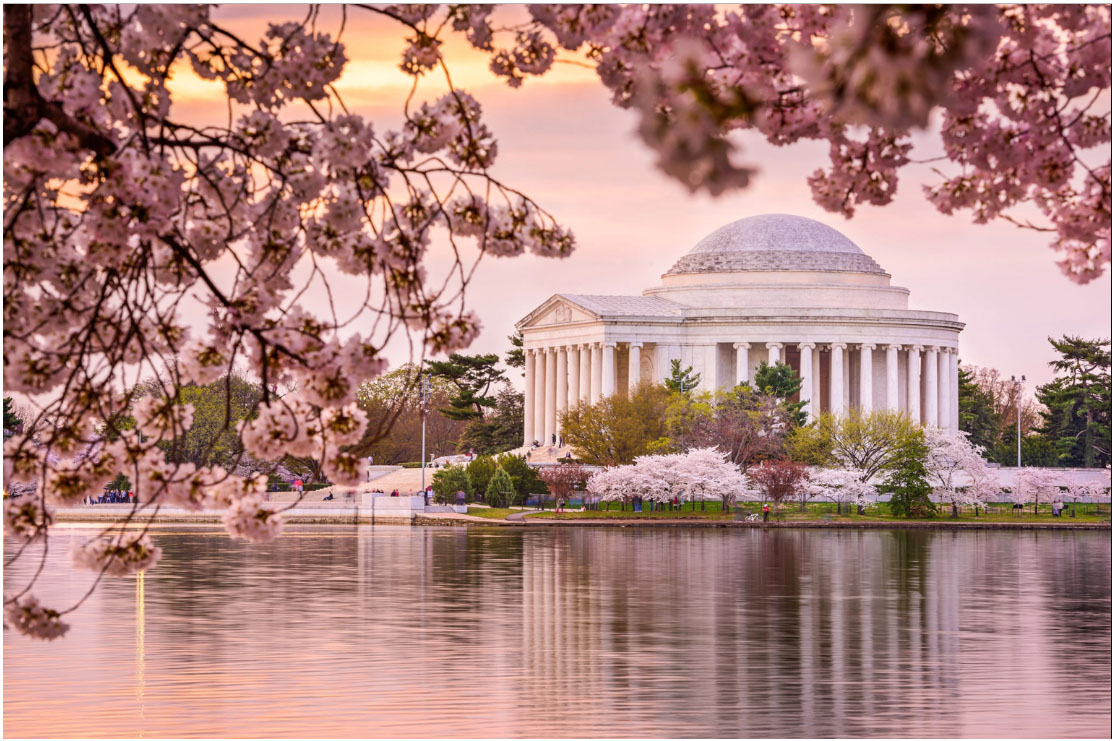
(1018, 93)
(840, 485)
(1037, 485)
(122, 217)
(957, 469)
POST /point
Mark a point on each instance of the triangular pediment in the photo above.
(557, 311)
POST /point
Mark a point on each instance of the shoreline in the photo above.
(364, 516)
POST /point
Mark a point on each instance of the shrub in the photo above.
(447, 481)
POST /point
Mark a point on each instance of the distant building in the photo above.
(767, 288)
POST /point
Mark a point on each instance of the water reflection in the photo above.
(579, 632)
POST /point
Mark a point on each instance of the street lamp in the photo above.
(425, 388)
(1018, 420)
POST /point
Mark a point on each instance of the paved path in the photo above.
(520, 516)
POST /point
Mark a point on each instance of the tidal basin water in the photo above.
(491, 632)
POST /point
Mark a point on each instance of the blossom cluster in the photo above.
(1020, 91)
(121, 554)
(120, 210)
(698, 475)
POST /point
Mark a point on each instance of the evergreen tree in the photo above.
(500, 491)
(515, 356)
(501, 429)
(480, 471)
(977, 415)
(781, 381)
(1077, 402)
(12, 420)
(524, 477)
(473, 376)
(682, 380)
(448, 480)
(907, 479)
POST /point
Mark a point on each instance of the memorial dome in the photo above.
(775, 242)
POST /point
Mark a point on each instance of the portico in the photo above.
(771, 288)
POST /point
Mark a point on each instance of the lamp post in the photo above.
(425, 391)
(1018, 420)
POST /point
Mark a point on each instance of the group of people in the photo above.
(111, 497)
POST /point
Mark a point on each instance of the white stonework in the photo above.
(762, 289)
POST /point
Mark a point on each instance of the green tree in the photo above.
(907, 478)
(480, 471)
(12, 421)
(525, 478)
(515, 356)
(977, 413)
(500, 491)
(781, 381)
(218, 408)
(501, 429)
(682, 380)
(1078, 402)
(448, 480)
(473, 376)
(813, 444)
(619, 427)
(868, 442)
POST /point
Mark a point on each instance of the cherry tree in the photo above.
(1037, 485)
(778, 480)
(840, 485)
(1017, 93)
(1081, 488)
(958, 471)
(123, 221)
(708, 474)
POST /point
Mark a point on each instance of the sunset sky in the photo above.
(563, 142)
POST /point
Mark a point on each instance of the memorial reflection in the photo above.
(397, 631)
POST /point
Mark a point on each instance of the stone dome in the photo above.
(776, 242)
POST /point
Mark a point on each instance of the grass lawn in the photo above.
(824, 511)
(491, 513)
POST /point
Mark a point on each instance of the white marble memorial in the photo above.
(762, 289)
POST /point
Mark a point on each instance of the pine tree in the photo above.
(472, 376)
(682, 380)
(977, 414)
(781, 381)
(1078, 401)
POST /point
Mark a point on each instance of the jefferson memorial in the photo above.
(766, 288)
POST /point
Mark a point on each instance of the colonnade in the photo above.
(557, 378)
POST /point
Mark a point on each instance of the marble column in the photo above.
(944, 388)
(807, 377)
(573, 375)
(892, 370)
(530, 382)
(837, 379)
(596, 372)
(549, 395)
(710, 368)
(742, 374)
(561, 385)
(608, 368)
(866, 380)
(538, 396)
(913, 391)
(816, 385)
(774, 352)
(634, 365)
(930, 396)
(955, 413)
(585, 374)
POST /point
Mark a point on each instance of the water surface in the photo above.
(393, 631)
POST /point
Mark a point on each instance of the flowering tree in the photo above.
(564, 479)
(957, 470)
(1038, 485)
(119, 215)
(705, 474)
(1018, 92)
(840, 485)
(778, 480)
